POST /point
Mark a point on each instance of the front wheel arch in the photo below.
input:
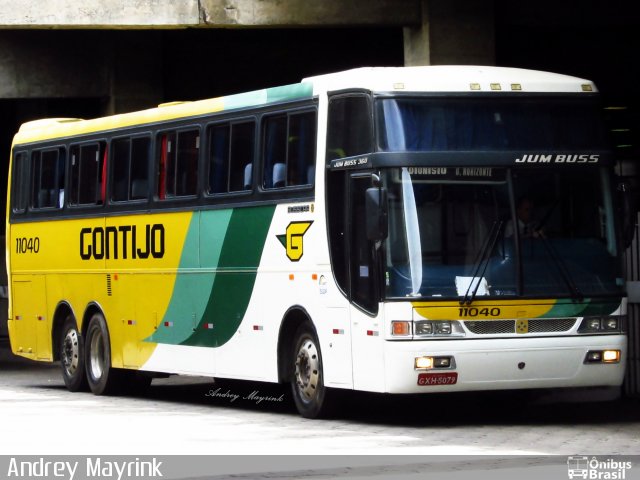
(292, 319)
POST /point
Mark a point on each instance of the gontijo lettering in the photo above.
(122, 242)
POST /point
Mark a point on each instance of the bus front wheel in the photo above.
(311, 397)
(103, 379)
(72, 356)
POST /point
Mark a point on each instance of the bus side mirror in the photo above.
(629, 213)
(377, 212)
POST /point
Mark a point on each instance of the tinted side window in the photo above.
(178, 163)
(88, 172)
(231, 148)
(349, 128)
(20, 180)
(130, 159)
(289, 149)
(48, 179)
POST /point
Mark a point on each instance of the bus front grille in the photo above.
(536, 325)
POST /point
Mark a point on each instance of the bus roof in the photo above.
(444, 78)
(377, 79)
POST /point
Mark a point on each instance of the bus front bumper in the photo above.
(504, 364)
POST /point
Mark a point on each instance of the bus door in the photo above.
(30, 317)
(367, 336)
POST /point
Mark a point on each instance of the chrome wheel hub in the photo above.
(70, 352)
(307, 372)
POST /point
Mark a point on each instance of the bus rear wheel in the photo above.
(72, 356)
(311, 397)
(103, 379)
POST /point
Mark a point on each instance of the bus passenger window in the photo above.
(21, 185)
(48, 178)
(130, 159)
(230, 161)
(178, 164)
(301, 149)
(88, 174)
(289, 150)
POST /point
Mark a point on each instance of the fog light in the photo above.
(443, 328)
(442, 362)
(400, 329)
(594, 356)
(611, 356)
(423, 363)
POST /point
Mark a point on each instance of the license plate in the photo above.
(435, 379)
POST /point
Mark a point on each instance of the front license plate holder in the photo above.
(437, 379)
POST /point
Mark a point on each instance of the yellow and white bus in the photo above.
(400, 230)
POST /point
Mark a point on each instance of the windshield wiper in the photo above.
(575, 292)
(482, 261)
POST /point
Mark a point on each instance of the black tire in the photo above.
(312, 398)
(103, 379)
(72, 356)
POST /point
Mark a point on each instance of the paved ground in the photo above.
(373, 436)
(182, 415)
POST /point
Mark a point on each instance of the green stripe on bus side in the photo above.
(270, 95)
(290, 92)
(202, 246)
(233, 284)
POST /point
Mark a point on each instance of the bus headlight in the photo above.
(422, 329)
(610, 323)
(605, 324)
(443, 328)
(433, 328)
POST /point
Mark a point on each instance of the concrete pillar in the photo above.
(135, 71)
(455, 32)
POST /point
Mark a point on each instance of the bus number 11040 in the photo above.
(479, 312)
(27, 245)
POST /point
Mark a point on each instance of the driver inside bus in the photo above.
(527, 228)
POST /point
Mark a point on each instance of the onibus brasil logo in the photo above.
(292, 239)
(609, 469)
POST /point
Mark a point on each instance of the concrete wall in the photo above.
(99, 13)
(204, 13)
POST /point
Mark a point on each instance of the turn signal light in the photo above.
(400, 328)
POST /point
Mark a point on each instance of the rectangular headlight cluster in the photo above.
(603, 356)
(603, 324)
(431, 363)
(407, 329)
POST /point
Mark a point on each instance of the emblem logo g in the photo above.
(292, 240)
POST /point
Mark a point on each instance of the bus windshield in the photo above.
(500, 232)
(416, 124)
